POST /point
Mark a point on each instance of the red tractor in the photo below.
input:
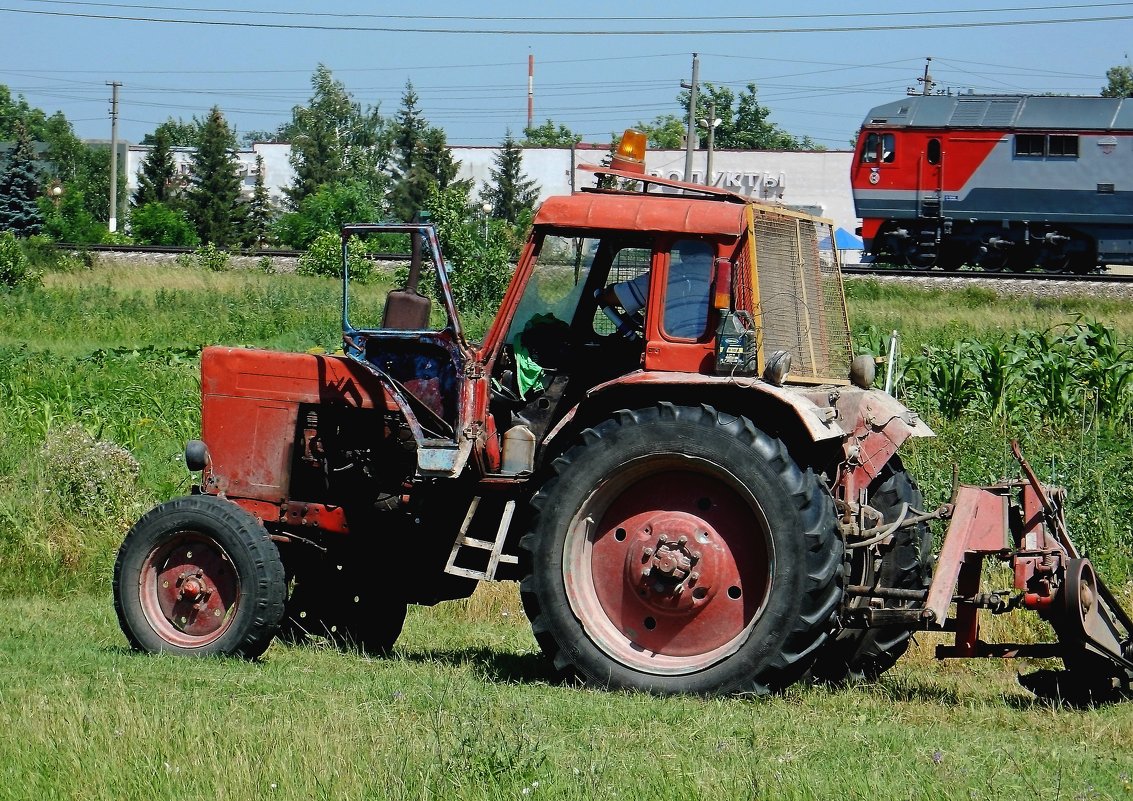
(663, 436)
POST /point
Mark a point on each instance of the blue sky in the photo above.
(473, 82)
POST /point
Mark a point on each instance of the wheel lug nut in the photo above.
(661, 538)
(647, 552)
(696, 556)
(693, 577)
(682, 540)
(645, 573)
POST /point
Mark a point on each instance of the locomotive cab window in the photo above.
(1062, 146)
(878, 148)
(933, 154)
(1030, 145)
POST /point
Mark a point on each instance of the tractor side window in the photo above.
(686, 294)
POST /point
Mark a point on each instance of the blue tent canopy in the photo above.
(844, 240)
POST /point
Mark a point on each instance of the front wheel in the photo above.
(681, 550)
(199, 576)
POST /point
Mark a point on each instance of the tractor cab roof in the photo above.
(697, 210)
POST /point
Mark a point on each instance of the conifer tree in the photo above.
(510, 191)
(214, 201)
(411, 179)
(156, 181)
(259, 210)
(19, 188)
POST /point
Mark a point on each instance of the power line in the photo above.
(580, 32)
(534, 18)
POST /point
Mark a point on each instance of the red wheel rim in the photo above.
(189, 590)
(668, 565)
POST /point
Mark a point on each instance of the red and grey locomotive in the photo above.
(997, 181)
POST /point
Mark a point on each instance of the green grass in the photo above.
(464, 710)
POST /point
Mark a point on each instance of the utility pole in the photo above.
(112, 224)
(927, 83)
(530, 90)
(690, 143)
(711, 142)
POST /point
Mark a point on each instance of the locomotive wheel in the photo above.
(864, 654)
(680, 550)
(198, 576)
(334, 600)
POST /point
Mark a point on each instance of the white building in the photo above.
(816, 181)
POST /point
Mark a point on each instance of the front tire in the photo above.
(199, 576)
(681, 550)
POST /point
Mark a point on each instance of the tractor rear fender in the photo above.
(862, 428)
(780, 411)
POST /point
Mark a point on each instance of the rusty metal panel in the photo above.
(979, 525)
(801, 305)
(249, 412)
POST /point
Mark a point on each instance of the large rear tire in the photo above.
(199, 576)
(864, 654)
(681, 550)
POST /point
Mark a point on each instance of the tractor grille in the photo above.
(801, 306)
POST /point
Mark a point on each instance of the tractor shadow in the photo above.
(490, 665)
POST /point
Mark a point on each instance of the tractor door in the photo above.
(411, 340)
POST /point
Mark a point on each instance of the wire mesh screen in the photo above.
(802, 308)
(628, 264)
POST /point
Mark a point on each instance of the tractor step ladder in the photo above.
(495, 549)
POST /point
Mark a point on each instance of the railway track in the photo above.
(984, 275)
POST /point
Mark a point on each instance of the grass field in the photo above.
(465, 709)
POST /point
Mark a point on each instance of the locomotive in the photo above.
(997, 181)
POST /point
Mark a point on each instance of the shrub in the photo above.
(91, 476)
(15, 268)
(324, 258)
(212, 258)
(327, 211)
(158, 224)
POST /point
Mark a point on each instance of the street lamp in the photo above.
(56, 192)
(486, 207)
(703, 123)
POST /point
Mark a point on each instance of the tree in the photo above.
(334, 140)
(436, 158)
(509, 191)
(548, 135)
(82, 171)
(157, 179)
(178, 133)
(19, 188)
(744, 122)
(1119, 82)
(326, 211)
(411, 181)
(259, 210)
(213, 198)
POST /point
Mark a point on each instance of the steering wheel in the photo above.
(628, 326)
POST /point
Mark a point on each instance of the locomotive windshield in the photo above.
(878, 148)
